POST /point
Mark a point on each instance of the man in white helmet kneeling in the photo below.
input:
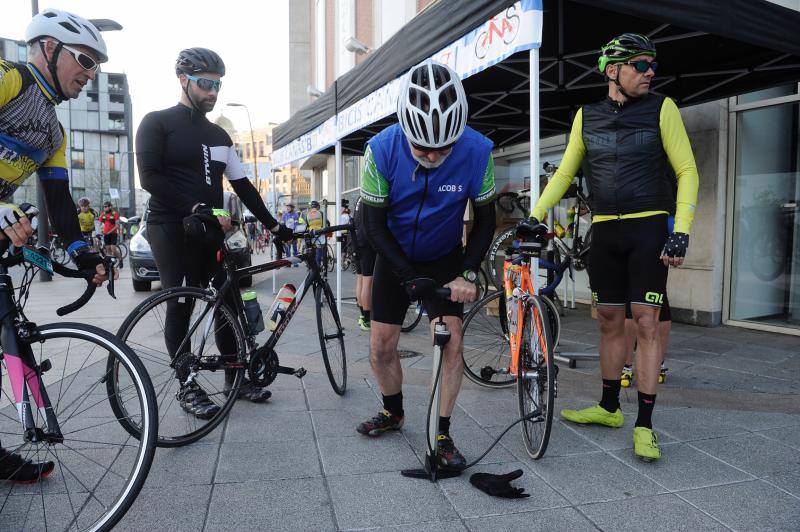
(419, 176)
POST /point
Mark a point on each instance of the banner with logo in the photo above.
(516, 28)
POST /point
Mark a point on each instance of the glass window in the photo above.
(116, 121)
(765, 268)
(77, 140)
(78, 160)
(262, 149)
(765, 94)
(22, 53)
(352, 172)
(247, 151)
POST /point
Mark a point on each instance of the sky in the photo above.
(251, 37)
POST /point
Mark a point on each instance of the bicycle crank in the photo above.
(263, 367)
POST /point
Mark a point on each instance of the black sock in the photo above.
(394, 404)
(365, 313)
(610, 400)
(646, 404)
(444, 425)
(361, 310)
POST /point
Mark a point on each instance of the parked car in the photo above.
(143, 266)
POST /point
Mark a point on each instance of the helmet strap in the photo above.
(53, 69)
(195, 108)
(619, 87)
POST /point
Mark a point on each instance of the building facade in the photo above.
(100, 155)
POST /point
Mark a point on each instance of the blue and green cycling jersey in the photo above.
(426, 206)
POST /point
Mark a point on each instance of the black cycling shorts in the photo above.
(663, 315)
(110, 239)
(624, 261)
(389, 298)
(365, 260)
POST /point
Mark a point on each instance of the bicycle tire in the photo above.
(483, 279)
(331, 337)
(496, 256)
(536, 379)
(143, 331)
(553, 319)
(89, 433)
(486, 352)
(412, 317)
(123, 250)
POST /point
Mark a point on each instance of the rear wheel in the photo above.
(486, 350)
(412, 317)
(182, 347)
(536, 375)
(553, 319)
(331, 337)
(496, 256)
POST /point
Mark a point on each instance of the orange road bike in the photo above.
(531, 346)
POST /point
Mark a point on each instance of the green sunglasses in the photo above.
(206, 84)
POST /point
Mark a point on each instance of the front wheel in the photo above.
(413, 316)
(486, 344)
(536, 378)
(331, 337)
(192, 355)
(99, 467)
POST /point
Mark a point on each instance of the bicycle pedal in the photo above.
(300, 373)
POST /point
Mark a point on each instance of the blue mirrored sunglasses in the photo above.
(205, 83)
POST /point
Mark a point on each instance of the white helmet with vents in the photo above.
(432, 105)
(68, 29)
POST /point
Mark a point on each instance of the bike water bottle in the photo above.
(255, 321)
(282, 301)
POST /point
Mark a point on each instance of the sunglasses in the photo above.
(423, 149)
(643, 66)
(206, 84)
(84, 60)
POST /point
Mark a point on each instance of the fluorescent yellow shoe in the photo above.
(595, 415)
(662, 375)
(626, 379)
(645, 444)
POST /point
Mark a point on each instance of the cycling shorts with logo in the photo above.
(624, 261)
(389, 298)
(664, 315)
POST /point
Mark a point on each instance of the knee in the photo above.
(647, 327)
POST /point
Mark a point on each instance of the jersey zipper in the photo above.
(419, 211)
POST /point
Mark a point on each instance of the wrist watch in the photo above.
(470, 276)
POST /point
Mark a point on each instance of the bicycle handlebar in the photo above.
(324, 230)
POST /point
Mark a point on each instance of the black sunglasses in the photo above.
(643, 66)
(424, 149)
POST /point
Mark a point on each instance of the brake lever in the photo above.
(108, 263)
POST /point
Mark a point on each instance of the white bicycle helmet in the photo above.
(68, 29)
(432, 106)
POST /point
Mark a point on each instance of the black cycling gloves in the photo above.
(676, 245)
(86, 258)
(499, 485)
(420, 288)
(284, 234)
(531, 228)
(203, 229)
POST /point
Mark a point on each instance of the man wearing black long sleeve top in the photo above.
(181, 158)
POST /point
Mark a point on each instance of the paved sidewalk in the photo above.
(728, 419)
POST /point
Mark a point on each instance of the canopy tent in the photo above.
(707, 50)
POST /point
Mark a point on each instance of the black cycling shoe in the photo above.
(14, 469)
(446, 453)
(379, 424)
(254, 394)
(194, 400)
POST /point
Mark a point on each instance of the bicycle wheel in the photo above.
(123, 250)
(486, 350)
(495, 256)
(331, 337)
(192, 350)
(536, 377)
(99, 467)
(483, 278)
(553, 319)
(412, 318)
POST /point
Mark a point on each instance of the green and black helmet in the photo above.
(624, 47)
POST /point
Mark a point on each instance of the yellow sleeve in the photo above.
(10, 82)
(570, 164)
(59, 158)
(679, 152)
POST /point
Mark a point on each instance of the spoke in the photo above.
(108, 468)
(66, 488)
(115, 420)
(74, 376)
(78, 480)
(11, 490)
(63, 374)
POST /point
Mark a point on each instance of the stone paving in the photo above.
(728, 420)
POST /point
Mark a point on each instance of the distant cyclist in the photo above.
(290, 219)
(314, 220)
(110, 220)
(419, 176)
(64, 54)
(629, 144)
(86, 219)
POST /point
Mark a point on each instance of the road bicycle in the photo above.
(509, 338)
(214, 346)
(62, 394)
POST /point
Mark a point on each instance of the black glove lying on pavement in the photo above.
(499, 485)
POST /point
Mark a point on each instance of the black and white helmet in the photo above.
(69, 29)
(432, 106)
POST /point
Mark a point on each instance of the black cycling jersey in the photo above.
(181, 158)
